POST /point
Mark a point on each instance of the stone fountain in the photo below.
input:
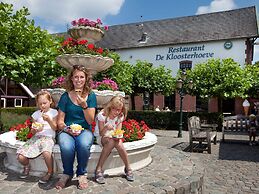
(138, 151)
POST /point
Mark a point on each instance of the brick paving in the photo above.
(231, 168)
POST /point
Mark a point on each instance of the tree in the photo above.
(219, 78)
(121, 72)
(27, 53)
(252, 74)
(147, 78)
(139, 78)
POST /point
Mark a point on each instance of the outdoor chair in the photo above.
(200, 137)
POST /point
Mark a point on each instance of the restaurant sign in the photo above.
(185, 53)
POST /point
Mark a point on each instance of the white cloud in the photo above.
(217, 5)
(62, 12)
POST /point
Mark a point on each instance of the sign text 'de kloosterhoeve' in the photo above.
(185, 53)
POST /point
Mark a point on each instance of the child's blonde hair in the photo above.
(47, 95)
(116, 102)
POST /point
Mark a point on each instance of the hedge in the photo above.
(154, 119)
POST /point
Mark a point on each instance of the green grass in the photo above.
(11, 119)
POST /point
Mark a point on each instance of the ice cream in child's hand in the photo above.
(76, 128)
(117, 133)
(37, 126)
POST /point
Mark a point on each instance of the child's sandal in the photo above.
(129, 174)
(99, 177)
(26, 171)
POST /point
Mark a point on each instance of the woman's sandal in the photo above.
(82, 182)
(99, 178)
(129, 174)
(62, 181)
(25, 173)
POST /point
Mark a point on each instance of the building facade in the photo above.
(181, 43)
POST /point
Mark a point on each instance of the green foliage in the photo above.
(20, 110)
(139, 78)
(10, 119)
(22, 135)
(152, 79)
(170, 120)
(219, 78)
(252, 74)
(27, 53)
(121, 72)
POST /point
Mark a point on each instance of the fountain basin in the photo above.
(138, 154)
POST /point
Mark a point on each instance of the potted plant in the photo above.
(84, 28)
(81, 52)
(105, 90)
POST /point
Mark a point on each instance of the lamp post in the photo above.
(146, 99)
(182, 88)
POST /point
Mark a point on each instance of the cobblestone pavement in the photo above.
(231, 168)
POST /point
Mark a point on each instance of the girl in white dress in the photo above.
(43, 127)
(109, 119)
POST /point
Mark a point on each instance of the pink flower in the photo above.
(58, 82)
(86, 22)
(106, 84)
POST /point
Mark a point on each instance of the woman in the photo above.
(76, 106)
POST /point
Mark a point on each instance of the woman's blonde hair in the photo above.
(47, 95)
(69, 84)
(116, 102)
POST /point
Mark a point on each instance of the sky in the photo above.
(56, 15)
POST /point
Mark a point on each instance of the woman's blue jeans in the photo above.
(75, 145)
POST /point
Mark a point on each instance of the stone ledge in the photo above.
(138, 154)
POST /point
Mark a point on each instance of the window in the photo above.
(3, 102)
(17, 102)
(184, 65)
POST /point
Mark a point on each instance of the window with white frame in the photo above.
(17, 102)
(3, 102)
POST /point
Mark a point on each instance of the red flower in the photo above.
(73, 46)
(23, 130)
(134, 130)
(99, 50)
(90, 46)
(82, 42)
(93, 125)
(29, 136)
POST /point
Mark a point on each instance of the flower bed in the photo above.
(133, 130)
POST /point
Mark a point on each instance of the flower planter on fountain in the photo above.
(85, 32)
(105, 96)
(86, 29)
(94, 63)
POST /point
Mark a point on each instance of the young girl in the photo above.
(109, 119)
(43, 127)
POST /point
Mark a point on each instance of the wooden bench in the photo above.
(200, 138)
(235, 125)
